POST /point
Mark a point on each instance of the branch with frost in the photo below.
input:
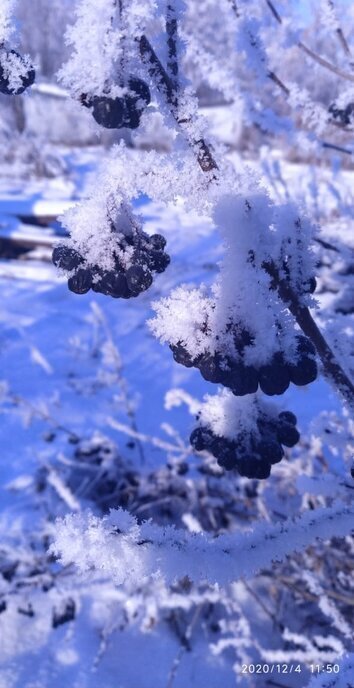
(6, 23)
(310, 53)
(344, 679)
(123, 550)
(165, 85)
(331, 367)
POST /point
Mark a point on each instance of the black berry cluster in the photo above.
(123, 282)
(273, 378)
(342, 115)
(252, 456)
(11, 58)
(125, 111)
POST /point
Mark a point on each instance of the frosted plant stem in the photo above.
(172, 37)
(340, 35)
(331, 366)
(165, 86)
(310, 53)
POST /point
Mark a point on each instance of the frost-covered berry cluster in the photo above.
(249, 444)
(123, 111)
(16, 72)
(135, 258)
(273, 378)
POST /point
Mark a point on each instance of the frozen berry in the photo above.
(81, 281)
(66, 258)
(112, 284)
(158, 242)
(181, 355)
(243, 380)
(158, 261)
(304, 371)
(288, 417)
(12, 62)
(138, 279)
(270, 450)
(274, 378)
(287, 434)
(213, 367)
(108, 112)
(201, 439)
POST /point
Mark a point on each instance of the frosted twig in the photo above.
(166, 87)
(340, 34)
(135, 551)
(172, 38)
(310, 53)
(331, 366)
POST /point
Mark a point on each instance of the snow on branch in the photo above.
(6, 24)
(124, 550)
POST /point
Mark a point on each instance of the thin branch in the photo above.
(310, 53)
(166, 87)
(340, 34)
(172, 39)
(331, 366)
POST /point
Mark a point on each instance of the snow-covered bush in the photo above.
(169, 547)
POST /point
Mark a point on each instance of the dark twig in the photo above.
(166, 87)
(331, 366)
(172, 40)
(340, 34)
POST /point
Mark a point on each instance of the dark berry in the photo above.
(201, 439)
(224, 452)
(304, 372)
(242, 380)
(287, 434)
(270, 450)
(138, 279)
(158, 242)
(81, 281)
(66, 258)
(27, 78)
(252, 466)
(213, 367)
(158, 261)
(274, 378)
(288, 417)
(108, 112)
(112, 284)
(131, 114)
(181, 355)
